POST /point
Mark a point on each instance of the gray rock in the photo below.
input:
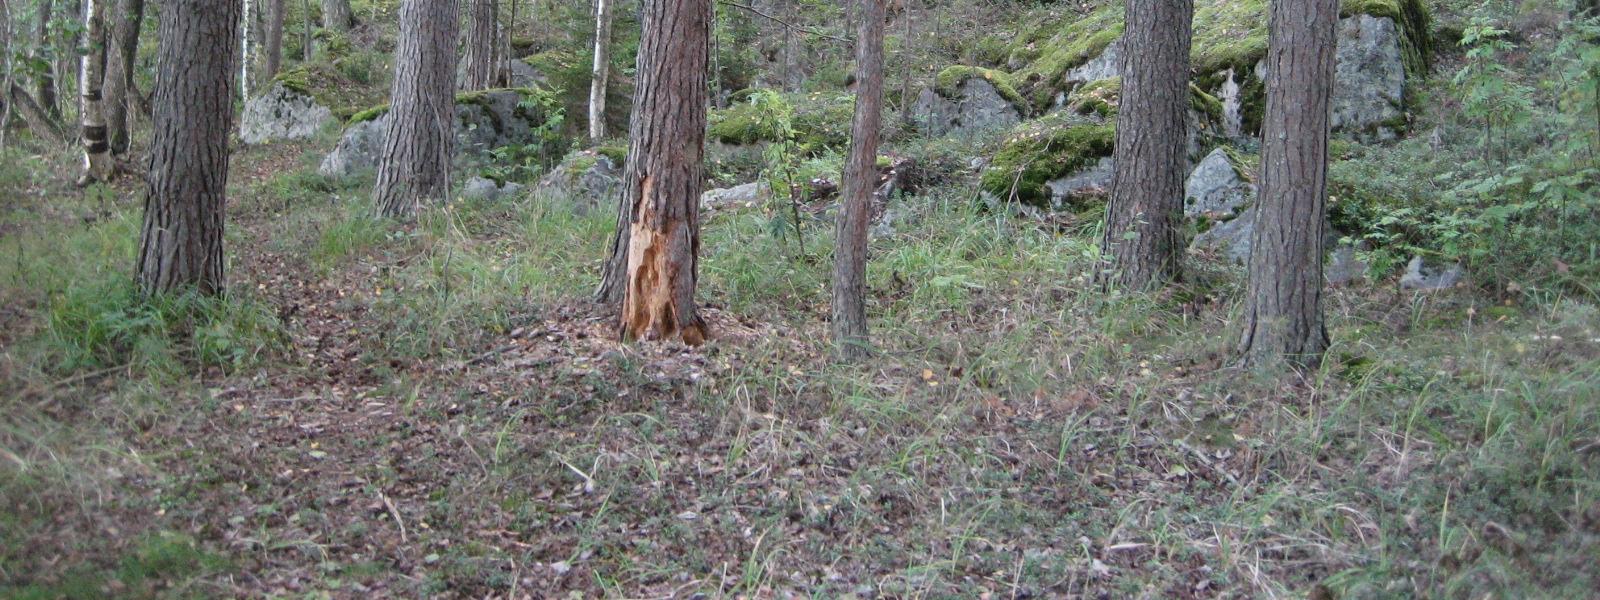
(489, 120)
(523, 75)
(1232, 106)
(1344, 266)
(357, 151)
(738, 196)
(281, 114)
(1420, 275)
(585, 178)
(486, 190)
(1105, 66)
(979, 108)
(1093, 181)
(1216, 190)
(1229, 239)
(1370, 84)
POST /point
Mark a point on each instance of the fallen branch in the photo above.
(38, 121)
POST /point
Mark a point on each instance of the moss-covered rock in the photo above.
(949, 81)
(818, 121)
(1043, 150)
(331, 87)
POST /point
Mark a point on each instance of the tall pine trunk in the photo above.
(602, 70)
(337, 16)
(655, 256)
(482, 47)
(97, 165)
(414, 166)
(180, 246)
(1284, 321)
(273, 46)
(860, 180)
(1146, 208)
(119, 72)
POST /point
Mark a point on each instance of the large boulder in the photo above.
(1051, 162)
(587, 178)
(483, 121)
(487, 190)
(1425, 276)
(1370, 85)
(967, 100)
(282, 114)
(739, 196)
(1217, 189)
(1093, 181)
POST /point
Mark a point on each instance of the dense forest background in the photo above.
(420, 398)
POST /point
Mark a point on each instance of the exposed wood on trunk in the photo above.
(414, 166)
(1146, 208)
(1283, 317)
(849, 309)
(97, 164)
(180, 246)
(119, 72)
(655, 253)
(601, 72)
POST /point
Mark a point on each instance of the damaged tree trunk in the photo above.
(655, 253)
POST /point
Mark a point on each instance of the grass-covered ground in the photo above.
(437, 410)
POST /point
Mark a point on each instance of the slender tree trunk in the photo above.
(308, 44)
(1283, 318)
(336, 15)
(860, 180)
(180, 246)
(119, 71)
(274, 41)
(415, 164)
(601, 72)
(245, 56)
(905, 52)
(97, 165)
(482, 42)
(45, 85)
(8, 65)
(660, 202)
(37, 120)
(1141, 233)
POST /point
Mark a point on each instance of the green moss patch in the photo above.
(530, 97)
(1043, 150)
(949, 81)
(819, 120)
(331, 87)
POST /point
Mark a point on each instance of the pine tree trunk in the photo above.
(119, 72)
(860, 180)
(1146, 208)
(336, 15)
(658, 234)
(45, 86)
(97, 163)
(307, 44)
(186, 189)
(601, 72)
(1284, 321)
(414, 166)
(481, 45)
(273, 48)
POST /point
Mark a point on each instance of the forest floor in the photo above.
(437, 410)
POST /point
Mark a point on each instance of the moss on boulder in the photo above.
(948, 84)
(819, 121)
(330, 87)
(1043, 150)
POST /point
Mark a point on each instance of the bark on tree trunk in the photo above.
(180, 246)
(658, 233)
(45, 86)
(336, 15)
(860, 181)
(1283, 318)
(1141, 233)
(601, 71)
(96, 151)
(119, 72)
(415, 164)
(274, 42)
(37, 120)
(482, 44)
(307, 44)
(245, 56)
